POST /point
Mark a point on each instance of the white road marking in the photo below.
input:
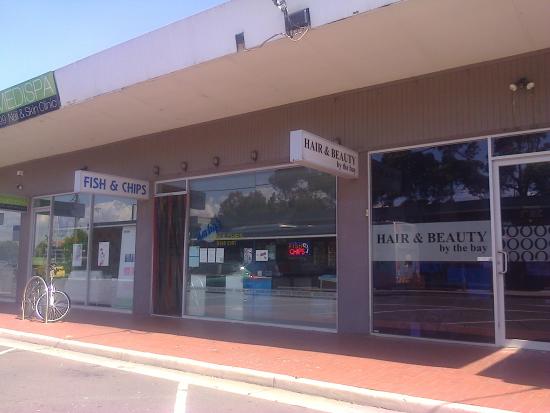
(181, 398)
(244, 389)
(6, 351)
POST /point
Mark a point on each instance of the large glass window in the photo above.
(113, 252)
(263, 248)
(69, 244)
(39, 260)
(524, 143)
(10, 224)
(92, 245)
(431, 242)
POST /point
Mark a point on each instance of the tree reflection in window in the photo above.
(525, 181)
(275, 203)
(527, 143)
(430, 175)
(424, 283)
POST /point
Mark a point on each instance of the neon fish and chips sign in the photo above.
(299, 249)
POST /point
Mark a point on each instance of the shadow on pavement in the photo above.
(526, 367)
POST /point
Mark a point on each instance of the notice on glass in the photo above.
(203, 255)
(103, 254)
(431, 241)
(262, 255)
(77, 255)
(220, 255)
(194, 262)
(247, 253)
(194, 257)
(211, 255)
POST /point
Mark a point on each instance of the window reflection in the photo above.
(263, 247)
(525, 143)
(113, 252)
(69, 244)
(107, 280)
(431, 224)
(10, 228)
(525, 218)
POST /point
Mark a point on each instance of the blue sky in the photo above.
(39, 36)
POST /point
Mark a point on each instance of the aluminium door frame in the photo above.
(498, 277)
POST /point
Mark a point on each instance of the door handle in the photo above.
(504, 258)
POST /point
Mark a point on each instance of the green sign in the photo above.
(13, 203)
(29, 99)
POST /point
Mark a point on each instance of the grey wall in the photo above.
(461, 103)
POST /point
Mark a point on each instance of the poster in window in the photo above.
(262, 255)
(77, 255)
(194, 262)
(203, 255)
(247, 255)
(194, 251)
(220, 255)
(211, 255)
(103, 254)
(194, 257)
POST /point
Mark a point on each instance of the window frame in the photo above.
(187, 240)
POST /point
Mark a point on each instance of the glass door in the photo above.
(522, 221)
(41, 237)
(10, 225)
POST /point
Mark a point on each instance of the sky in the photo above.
(39, 36)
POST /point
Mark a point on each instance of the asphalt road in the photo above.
(41, 379)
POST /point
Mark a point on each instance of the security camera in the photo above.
(281, 4)
(530, 85)
(513, 87)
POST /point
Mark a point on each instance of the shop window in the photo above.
(171, 187)
(92, 247)
(113, 252)
(431, 239)
(262, 247)
(10, 225)
(69, 244)
(524, 143)
(41, 202)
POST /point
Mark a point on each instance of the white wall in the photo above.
(194, 40)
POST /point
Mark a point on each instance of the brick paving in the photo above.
(511, 379)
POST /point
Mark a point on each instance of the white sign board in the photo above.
(262, 255)
(127, 259)
(77, 255)
(318, 153)
(431, 241)
(103, 254)
(95, 183)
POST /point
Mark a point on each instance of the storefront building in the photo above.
(401, 197)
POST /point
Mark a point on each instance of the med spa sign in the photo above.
(29, 99)
(432, 241)
(314, 152)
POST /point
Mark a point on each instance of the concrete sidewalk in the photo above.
(400, 374)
